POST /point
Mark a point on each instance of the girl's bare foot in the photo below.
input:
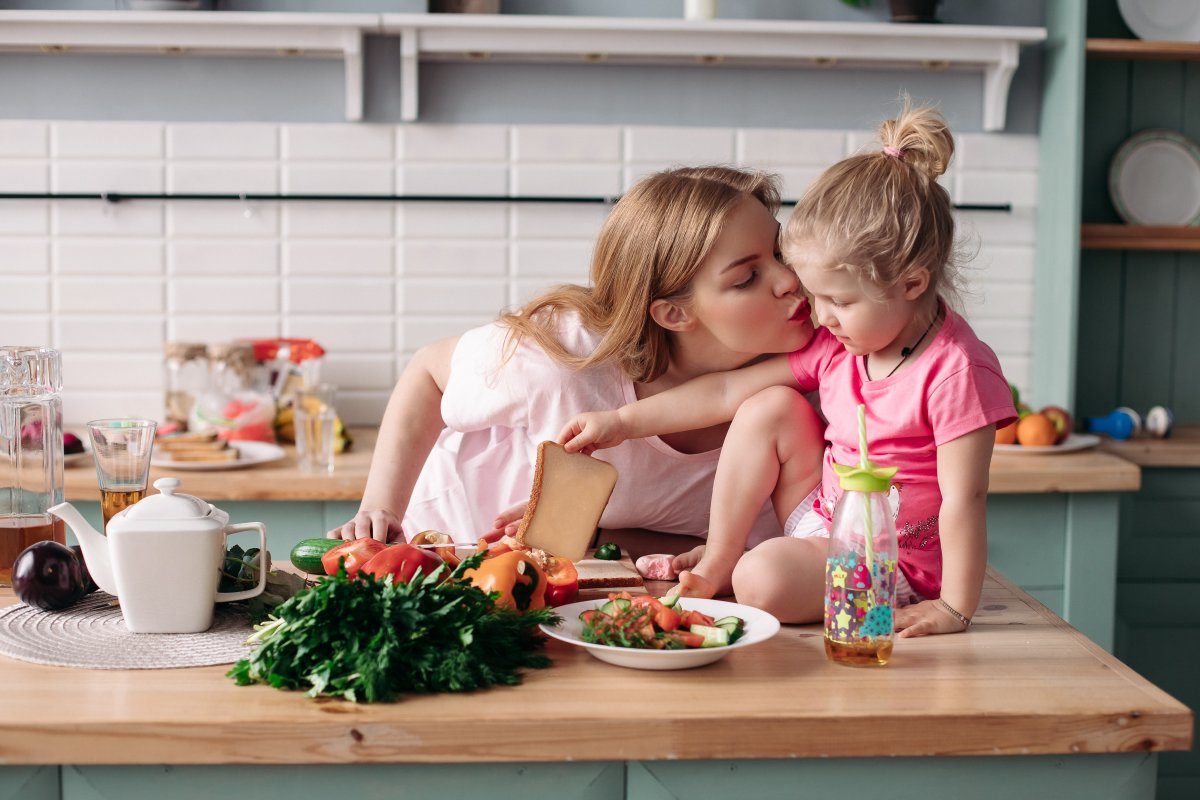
(693, 584)
(689, 559)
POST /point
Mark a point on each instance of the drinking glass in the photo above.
(122, 449)
(315, 424)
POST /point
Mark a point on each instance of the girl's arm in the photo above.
(962, 467)
(699, 403)
(410, 428)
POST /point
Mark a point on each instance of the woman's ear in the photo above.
(915, 283)
(671, 316)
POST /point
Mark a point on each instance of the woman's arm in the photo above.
(963, 467)
(411, 426)
(699, 403)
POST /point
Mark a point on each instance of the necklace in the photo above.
(905, 352)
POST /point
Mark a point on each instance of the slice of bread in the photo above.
(174, 446)
(180, 439)
(596, 573)
(570, 491)
(228, 454)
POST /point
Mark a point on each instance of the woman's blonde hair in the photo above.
(882, 214)
(650, 248)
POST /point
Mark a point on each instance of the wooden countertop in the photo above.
(1087, 471)
(1181, 450)
(1022, 682)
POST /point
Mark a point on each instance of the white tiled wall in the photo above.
(373, 281)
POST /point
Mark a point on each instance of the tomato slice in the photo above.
(356, 552)
(689, 639)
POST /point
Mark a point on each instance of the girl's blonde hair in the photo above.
(882, 214)
(650, 248)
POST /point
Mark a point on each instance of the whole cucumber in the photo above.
(306, 555)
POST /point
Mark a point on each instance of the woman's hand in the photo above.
(381, 524)
(925, 619)
(593, 430)
(506, 522)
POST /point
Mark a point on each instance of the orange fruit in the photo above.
(1007, 434)
(1036, 430)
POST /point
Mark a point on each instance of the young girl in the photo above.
(872, 242)
(666, 303)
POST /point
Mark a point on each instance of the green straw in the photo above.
(865, 462)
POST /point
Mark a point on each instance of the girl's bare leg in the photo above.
(784, 577)
(773, 450)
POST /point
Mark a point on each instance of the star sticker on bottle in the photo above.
(843, 620)
(839, 577)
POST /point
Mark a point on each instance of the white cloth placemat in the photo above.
(92, 634)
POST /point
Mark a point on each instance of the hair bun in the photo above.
(921, 137)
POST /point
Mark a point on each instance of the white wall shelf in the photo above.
(991, 50)
(197, 33)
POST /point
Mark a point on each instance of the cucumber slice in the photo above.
(669, 600)
(614, 607)
(713, 636)
(734, 626)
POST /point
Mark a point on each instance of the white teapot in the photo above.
(162, 558)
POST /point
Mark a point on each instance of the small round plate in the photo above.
(760, 626)
(1155, 179)
(249, 454)
(1073, 442)
(1162, 20)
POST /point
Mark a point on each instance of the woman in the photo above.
(686, 280)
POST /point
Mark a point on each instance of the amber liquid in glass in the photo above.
(117, 498)
(17, 533)
(865, 654)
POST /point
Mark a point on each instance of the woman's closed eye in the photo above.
(750, 279)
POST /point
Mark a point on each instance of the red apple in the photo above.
(1061, 419)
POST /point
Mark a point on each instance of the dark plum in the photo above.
(47, 575)
(72, 444)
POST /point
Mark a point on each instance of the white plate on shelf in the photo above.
(1074, 442)
(249, 454)
(1154, 179)
(760, 626)
(1162, 20)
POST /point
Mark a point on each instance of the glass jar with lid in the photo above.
(185, 377)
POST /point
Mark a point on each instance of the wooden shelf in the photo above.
(1140, 50)
(1139, 237)
(1182, 449)
(992, 50)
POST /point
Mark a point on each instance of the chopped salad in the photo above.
(657, 623)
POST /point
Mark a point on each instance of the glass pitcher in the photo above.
(31, 450)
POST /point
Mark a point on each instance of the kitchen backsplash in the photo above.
(108, 283)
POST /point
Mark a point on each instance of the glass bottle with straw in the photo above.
(860, 570)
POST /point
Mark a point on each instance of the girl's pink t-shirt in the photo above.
(496, 412)
(953, 388)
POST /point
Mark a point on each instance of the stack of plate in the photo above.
(1155, 179)
(1162, 20)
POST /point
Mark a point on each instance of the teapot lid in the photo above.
(167, 505)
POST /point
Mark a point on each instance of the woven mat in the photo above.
(92, 634)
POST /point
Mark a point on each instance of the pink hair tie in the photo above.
(894, 152)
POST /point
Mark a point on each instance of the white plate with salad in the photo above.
(724, 635)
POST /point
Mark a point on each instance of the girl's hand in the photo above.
(925, 619)
(381, 524)
(593, 430)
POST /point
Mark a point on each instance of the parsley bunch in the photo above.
(370, 641)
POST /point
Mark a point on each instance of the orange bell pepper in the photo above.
(517, 577)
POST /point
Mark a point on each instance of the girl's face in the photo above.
(745, 300)
(865, 319)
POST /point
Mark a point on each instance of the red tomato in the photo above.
(356, 552)
(562, 581)
(690, 639)
(400, 562)
(689, 618)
